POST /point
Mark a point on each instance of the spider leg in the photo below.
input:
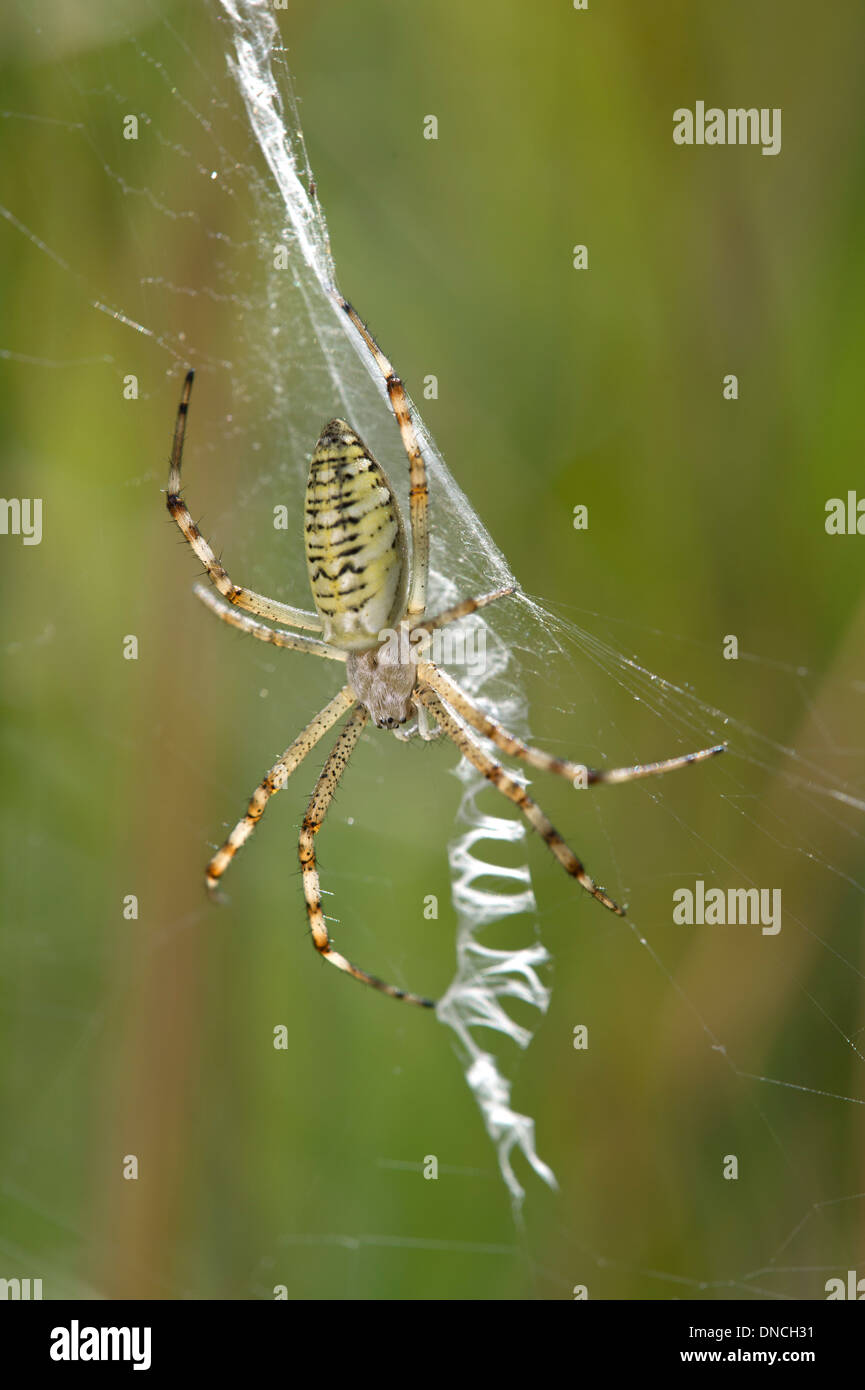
(422, 728)
(418, 489)
(427, 730)
(242, 598)
(496, 774)
(244, 623)
(535, 757)
(312, 821)
(462, 610)
(405, 735)
(274, 781)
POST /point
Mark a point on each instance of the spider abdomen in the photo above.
(355, 543)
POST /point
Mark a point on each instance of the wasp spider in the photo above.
(365, 592)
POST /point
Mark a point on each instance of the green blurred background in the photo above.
(153, 1037)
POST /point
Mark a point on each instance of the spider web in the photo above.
(262, 393)
(485, 975)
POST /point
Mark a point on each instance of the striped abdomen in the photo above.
(355, 545)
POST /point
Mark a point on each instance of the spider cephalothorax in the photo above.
(368, 597)
(383, 684)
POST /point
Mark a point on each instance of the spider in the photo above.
(366, 591)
